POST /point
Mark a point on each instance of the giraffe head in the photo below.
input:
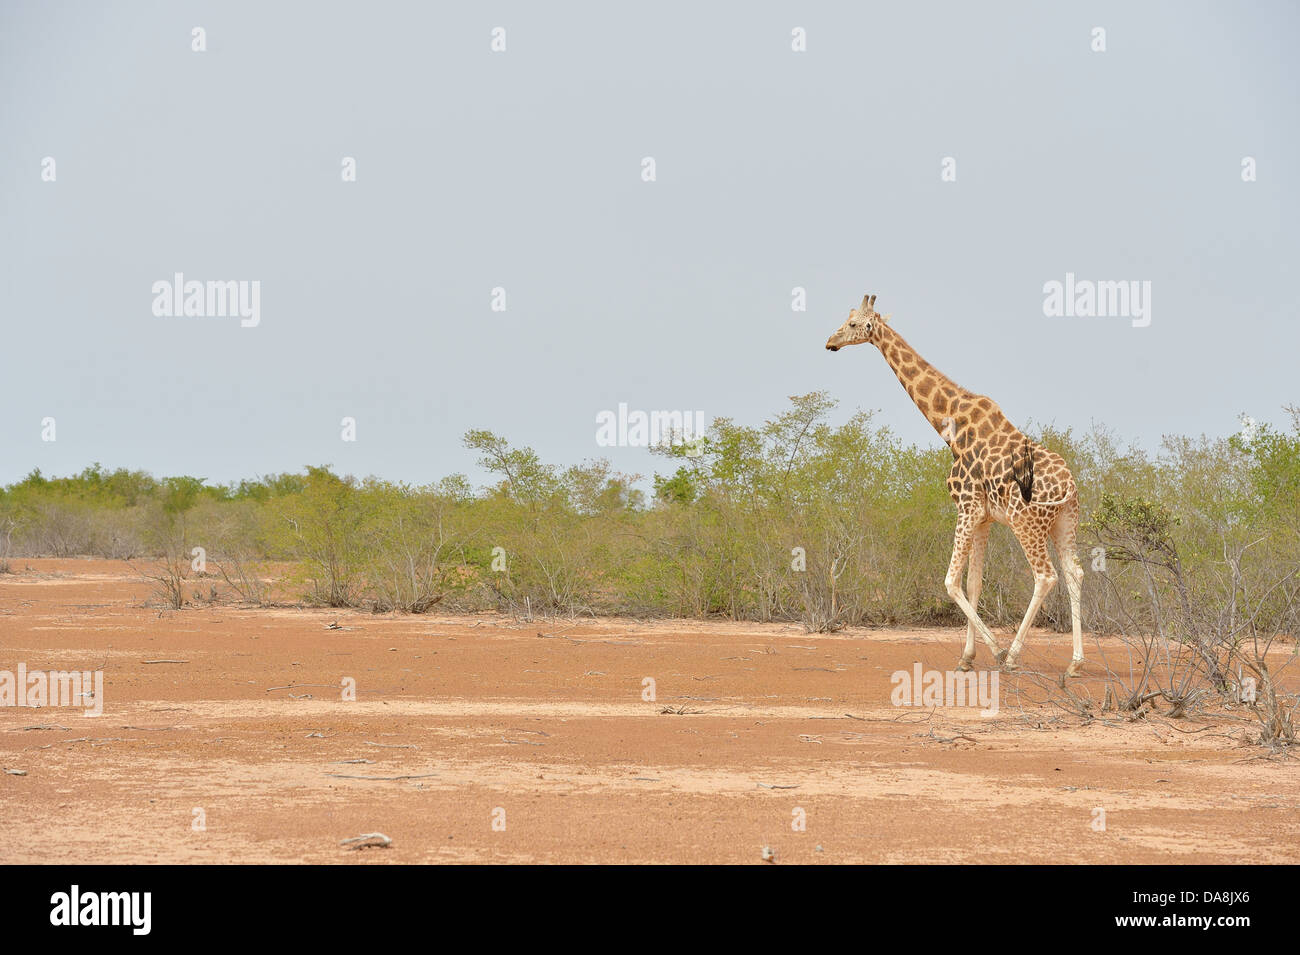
(859, 327)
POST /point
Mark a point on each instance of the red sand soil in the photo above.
(545, 721)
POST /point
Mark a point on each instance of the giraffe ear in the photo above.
(884, 319)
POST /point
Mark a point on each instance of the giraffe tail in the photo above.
(1022, 470)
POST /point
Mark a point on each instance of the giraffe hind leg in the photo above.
(1064, 530)
(1033, 540)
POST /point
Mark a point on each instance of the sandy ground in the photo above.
(532, 742)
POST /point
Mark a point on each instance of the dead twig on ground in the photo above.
(370, 840)
(881, 719)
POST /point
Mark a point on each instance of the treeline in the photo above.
(796, 519)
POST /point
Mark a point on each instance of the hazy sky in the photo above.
(523, 170)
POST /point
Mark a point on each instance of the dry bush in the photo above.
(413, 554)
(7, 527)
(246, 576)
(1188, 643)
(168, 574)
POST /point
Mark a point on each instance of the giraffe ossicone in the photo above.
(999, 475)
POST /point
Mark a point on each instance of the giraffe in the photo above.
(998, 474)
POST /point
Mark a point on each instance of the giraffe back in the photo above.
(1000, 470)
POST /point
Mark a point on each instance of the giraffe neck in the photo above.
(935, 395)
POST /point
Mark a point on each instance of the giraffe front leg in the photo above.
(974, 584)
(1074, 583)
(967, 660)
(961, 548)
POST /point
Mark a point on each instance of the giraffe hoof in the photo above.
(1075, 669)
(1000, 656)
(1009, 665)
(965, 665)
